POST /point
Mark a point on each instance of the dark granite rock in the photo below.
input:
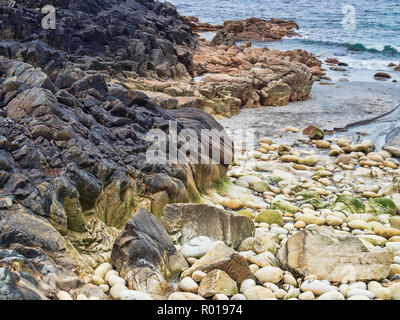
(73, 143)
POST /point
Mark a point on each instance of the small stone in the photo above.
(184, 296)
(220, 296)
(258, 293)
(394, 269)
(300, 224)
(292, 129)
(217, 281)
(198, 247)
(254, 268)
(104, 287)
(310, 219)
(238, 297)
(234, 204)
(289, 279)
(292, 293)
(270, 217)
(81, 297)
(395, 290)
(280, 293)
(113, 280)
(111, 273)
(332, 295)
(271, 286)
(269, 274)
(198, 275)
(188, 285)
(191, 260)
(97, 280)
(316, 286)
(322, 144)
(333, 220)
(246, 284)
(115, 291)
(134, 295)
(383, 293)
(308, 295)
(102, 270)
(63, 295)
(359, 224)
(374, 285)
(358, 285)
(362, 292)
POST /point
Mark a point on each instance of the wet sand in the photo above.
(331, 106)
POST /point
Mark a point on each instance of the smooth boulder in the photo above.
(333, 255)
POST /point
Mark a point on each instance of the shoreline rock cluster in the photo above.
(225, 77)
(292, 223)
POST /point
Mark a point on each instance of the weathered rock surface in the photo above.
(12, 287)
(129, 36)
(188, 221)
(228, 77)
(144, 254)
(223, 258)
(260, 29)
(333, 255)
(217, 282)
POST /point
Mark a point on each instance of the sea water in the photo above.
(362, 33)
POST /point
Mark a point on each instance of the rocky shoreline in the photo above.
(83, 215)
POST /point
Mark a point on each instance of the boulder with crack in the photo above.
(188, 221)
(145, 256)
(333, 255)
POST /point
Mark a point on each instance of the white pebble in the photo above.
(360, 292)
(188, 285)
(116, 290)
(102, 269)
(63, 295)
(238, 296)
(246, 284)
(113, 280)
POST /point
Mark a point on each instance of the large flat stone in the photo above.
(333, 255)
(188, 221)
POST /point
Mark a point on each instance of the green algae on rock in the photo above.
(381, 206)
(348, 205)
(270, 217)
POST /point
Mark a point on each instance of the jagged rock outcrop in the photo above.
(198, 26)
(136, 37)
(228, 77)
(251, 29)
(261, 30)
(234, 77)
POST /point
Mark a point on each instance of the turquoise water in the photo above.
(367, 46)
